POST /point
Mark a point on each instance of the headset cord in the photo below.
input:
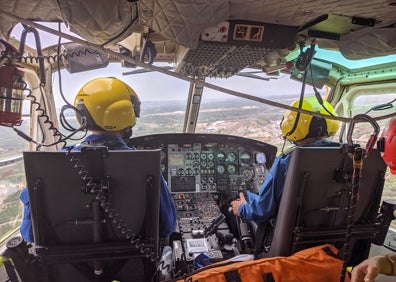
(44, 118)
(110, 212)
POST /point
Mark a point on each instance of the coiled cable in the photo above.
(94, 188)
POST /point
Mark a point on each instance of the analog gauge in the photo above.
(245, 157)
(231, 169)
(210, 164)
(247, 173)
(220, 156)
(203, 156)
(196, 156)
(196, 171)
(260, 169)
(195, 164)
(220, 169)
(203, 164)
(189, 171)
(180, 171)
(231, 157)
(210, 156)
(261, 158)
(188, 156)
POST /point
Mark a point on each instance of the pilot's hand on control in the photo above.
(237, 203)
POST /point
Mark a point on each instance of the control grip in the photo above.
(211, 229)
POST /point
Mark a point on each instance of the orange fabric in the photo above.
(309, 265)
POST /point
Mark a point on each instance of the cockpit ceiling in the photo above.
(189, 32)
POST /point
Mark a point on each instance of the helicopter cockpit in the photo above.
(212, 76)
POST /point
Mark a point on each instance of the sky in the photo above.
(157, 86)
(154, 86)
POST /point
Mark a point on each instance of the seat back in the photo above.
(110, 222)
(314, 205)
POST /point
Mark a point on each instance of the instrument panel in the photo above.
(204, 172)
(214, 163)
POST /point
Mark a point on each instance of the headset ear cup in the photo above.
(136, 105)
(127, 133)
(83, 112)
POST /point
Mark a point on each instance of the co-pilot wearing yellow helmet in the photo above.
(302, 130)
(305, 128)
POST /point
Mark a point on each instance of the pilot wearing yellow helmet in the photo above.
(109, 107)
(302, 130)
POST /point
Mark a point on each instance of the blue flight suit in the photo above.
(263, 206)
(167, 217)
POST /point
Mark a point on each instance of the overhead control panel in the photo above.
(214, 163)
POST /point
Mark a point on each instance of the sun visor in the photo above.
(368, 43)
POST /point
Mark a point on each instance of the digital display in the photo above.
(176, 159)
(182, 184)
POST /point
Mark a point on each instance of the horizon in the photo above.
(155, 86)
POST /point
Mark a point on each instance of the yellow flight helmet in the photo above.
(108, 104)
(296, 128)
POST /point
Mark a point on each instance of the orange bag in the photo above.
(314, 264)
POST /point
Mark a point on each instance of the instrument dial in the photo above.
(231, 157)
(231, 169)
(261, 158)
(220, 169)
(247, 173)
(245, 157)
(221, 157)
